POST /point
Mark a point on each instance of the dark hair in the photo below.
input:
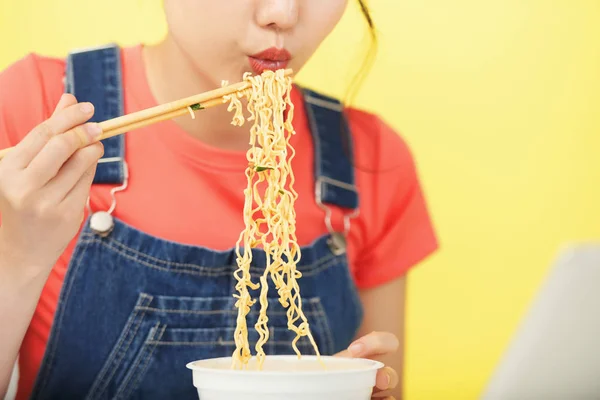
(365, 10)
(358, 80)
(369, 58)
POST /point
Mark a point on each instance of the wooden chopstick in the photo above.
(140, 119)
(159, 118)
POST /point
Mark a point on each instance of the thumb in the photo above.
(344, 353)
(372, 345)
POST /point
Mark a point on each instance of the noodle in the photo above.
(269, 215)
(191, 111)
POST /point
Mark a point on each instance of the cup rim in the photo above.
(367, 365)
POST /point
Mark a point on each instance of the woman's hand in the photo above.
(372, 346)
(44, 185)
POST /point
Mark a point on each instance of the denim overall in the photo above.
(134, 309)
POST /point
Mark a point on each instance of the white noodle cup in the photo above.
(286, 377)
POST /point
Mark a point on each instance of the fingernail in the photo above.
(356, 349)
(93, 130)
(86, 108)
(388, 380)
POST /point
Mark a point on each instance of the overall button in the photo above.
(102, 223)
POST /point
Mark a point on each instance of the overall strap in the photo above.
(94, 75)
(334, 169)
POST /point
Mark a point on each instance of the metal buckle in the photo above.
(337, 241)
(102, 222)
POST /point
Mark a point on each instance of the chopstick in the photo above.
(158, 118)
(149, 116)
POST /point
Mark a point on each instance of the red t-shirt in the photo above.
(180, 188)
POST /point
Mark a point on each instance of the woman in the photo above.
(116, 310)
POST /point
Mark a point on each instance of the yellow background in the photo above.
(500, 102)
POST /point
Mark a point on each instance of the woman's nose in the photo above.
(277, 14)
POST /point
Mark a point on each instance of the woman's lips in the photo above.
(271, 59)
(259, 66)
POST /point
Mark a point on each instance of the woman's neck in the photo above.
(172, 75)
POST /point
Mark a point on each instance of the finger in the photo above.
(344, 353)
(63, 120)
(59, 149)
(77, 197)
(387, 378)
(374, 344)
(65, 101)
(72, 171)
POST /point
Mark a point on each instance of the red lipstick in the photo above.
(270, 59)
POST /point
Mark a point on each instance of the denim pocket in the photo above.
(164, 333)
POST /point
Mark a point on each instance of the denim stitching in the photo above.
(114, 243)
(149, 265)
(117, 354)
(133, 368)
(215, 312)
(324, 322)
(213, 343)
(146, 365)
(331, 105)
(124, 351)
(355, 298)
(72, 271)
(310, 112)
(121, 111)
(322, 267)
(144, 354)
(310, 270)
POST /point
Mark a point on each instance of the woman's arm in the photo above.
(44, 184)
(384, 312)
(19, 294)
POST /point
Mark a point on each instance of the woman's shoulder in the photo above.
(33, 74)
(377, 145)
(29, 89)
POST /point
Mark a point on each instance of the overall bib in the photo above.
(135, 309)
